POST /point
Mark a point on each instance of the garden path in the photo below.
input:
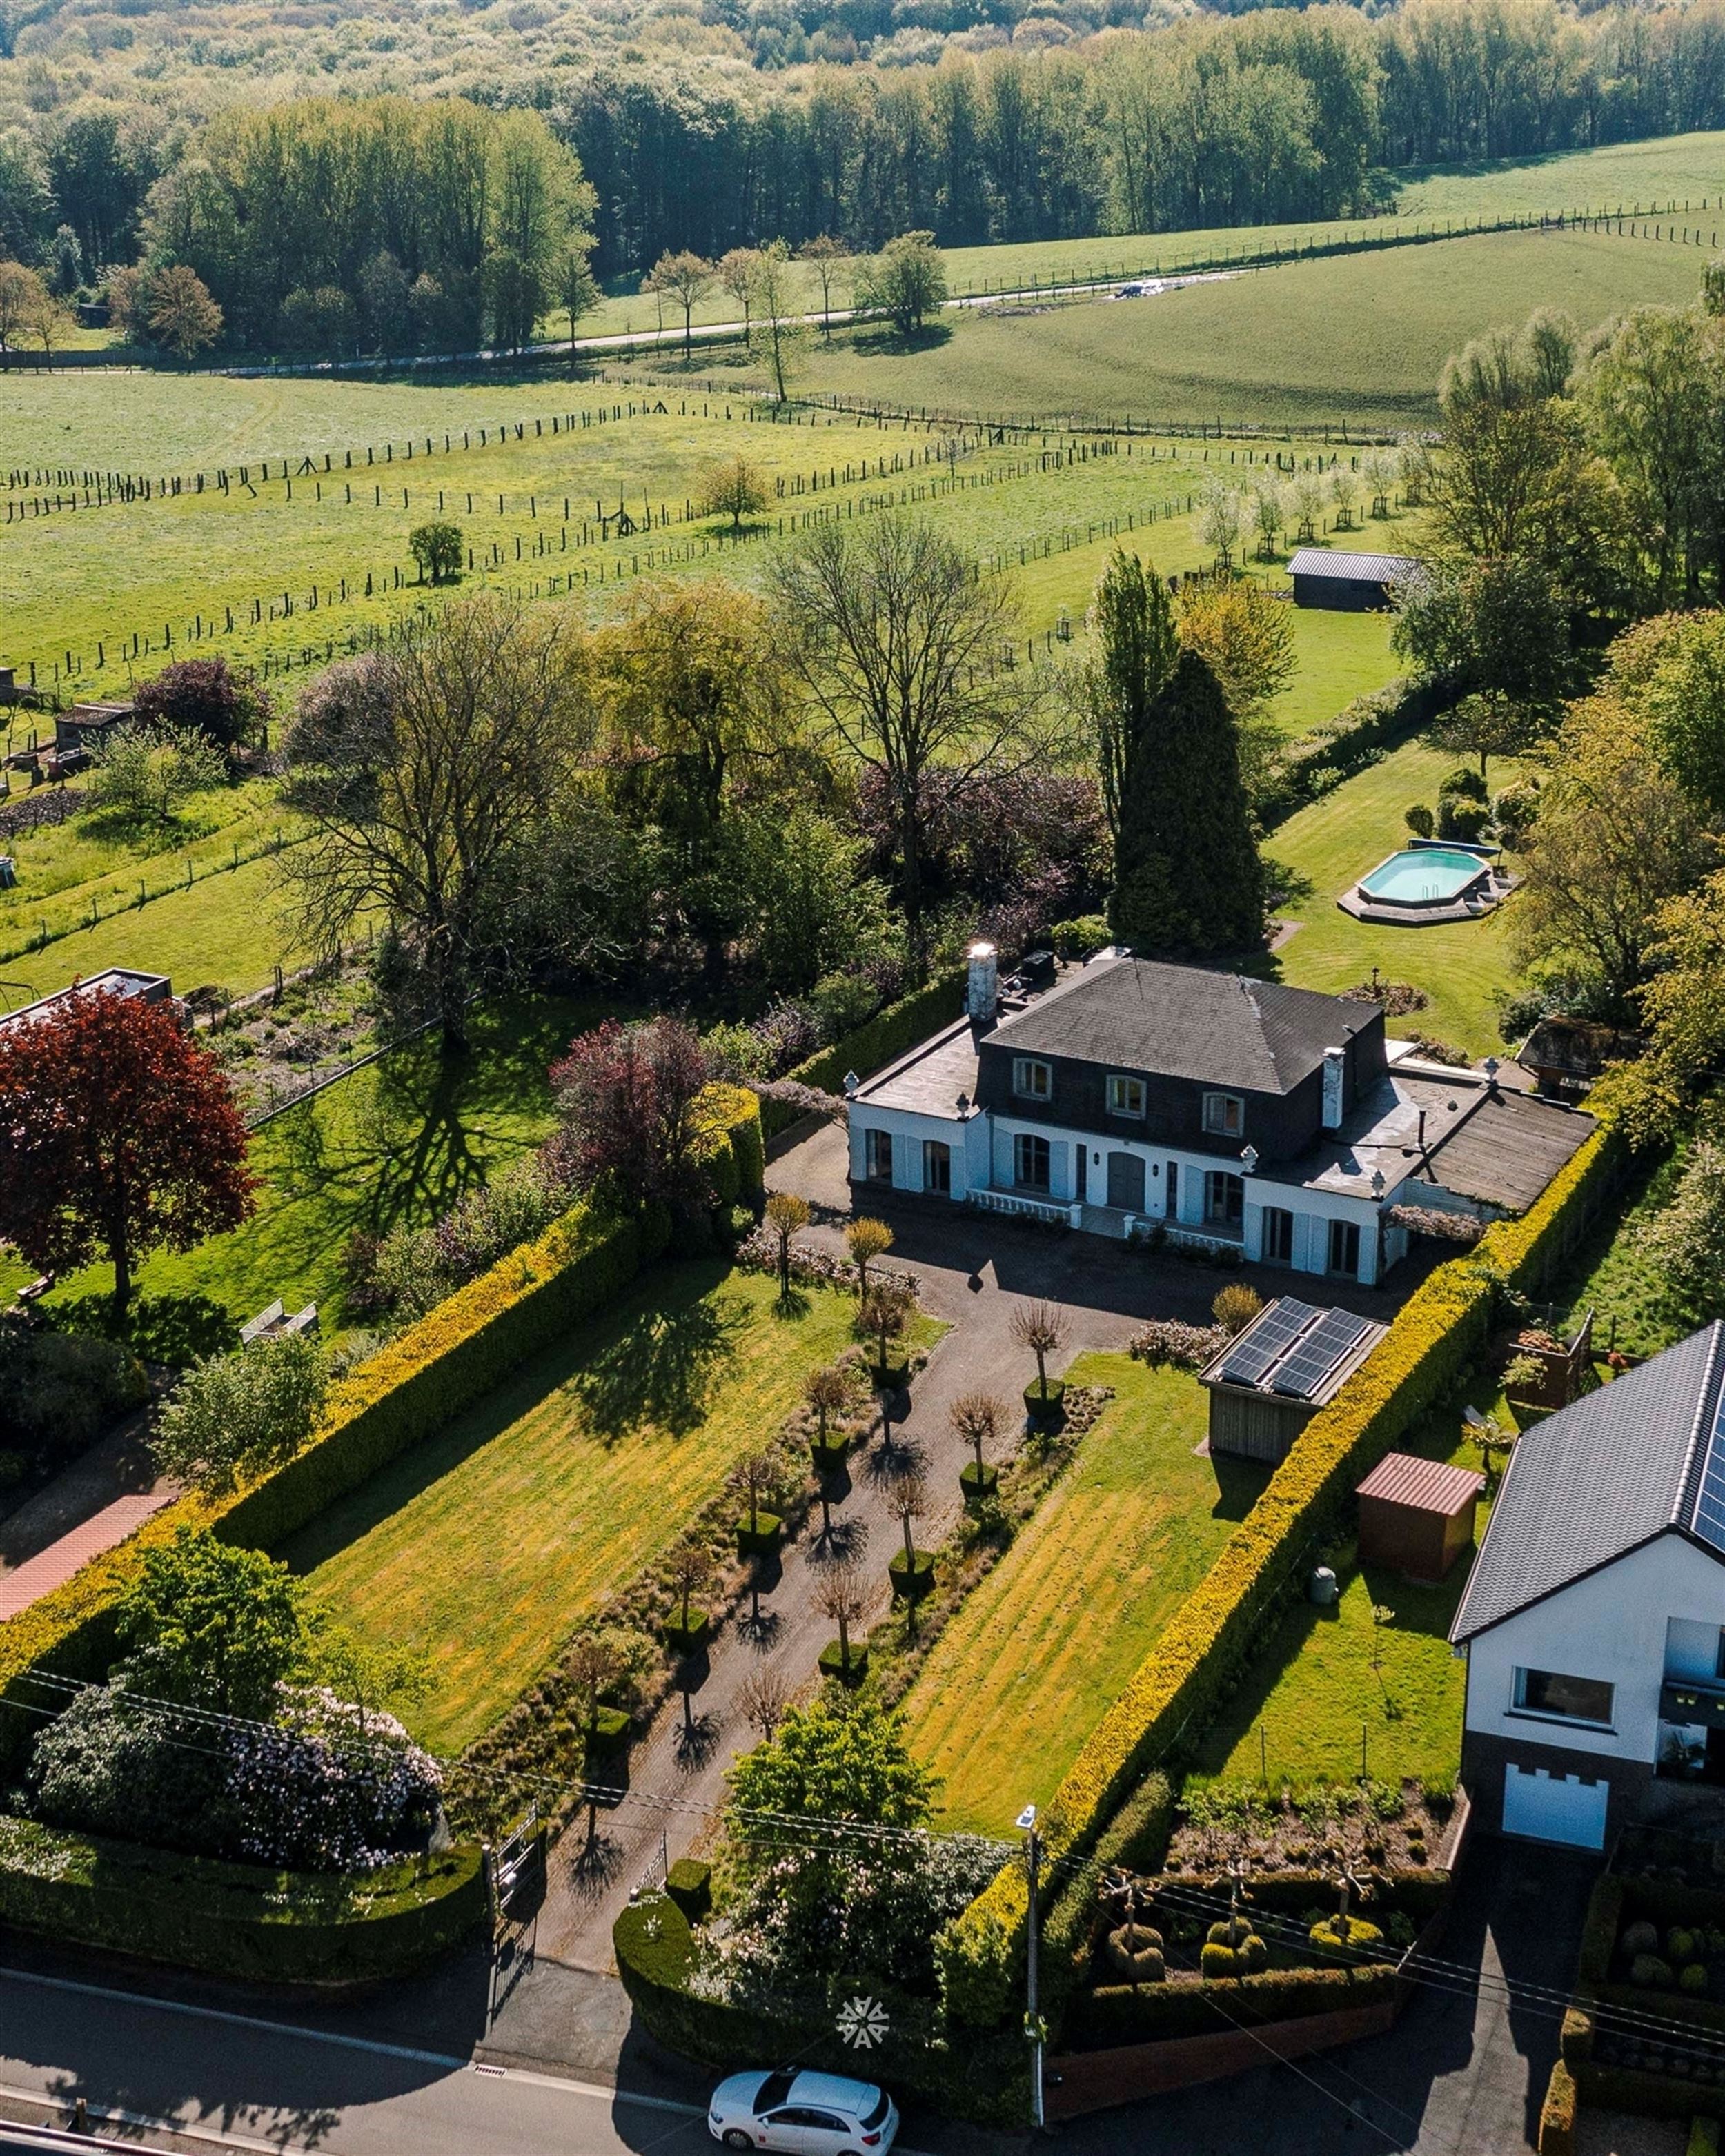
(94, 1504)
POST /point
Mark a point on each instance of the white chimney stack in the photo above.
(1335, 1075)
(983, 995)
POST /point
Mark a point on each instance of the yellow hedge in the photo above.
(410, 1388)
(1179, 1683)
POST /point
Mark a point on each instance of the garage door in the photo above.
(1555, 1807)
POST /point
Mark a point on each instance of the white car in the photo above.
(808, 2114)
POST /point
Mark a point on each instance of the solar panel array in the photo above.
(1709, 1521)
(1327, 1343)
(1272, 1335)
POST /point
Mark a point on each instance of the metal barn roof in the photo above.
(1355, 568)
(1428, 1486)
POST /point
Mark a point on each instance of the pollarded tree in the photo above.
(688, 1569)
(885, 1315)
(1043, 1328)
(866, 1240)
(827, 1392)
(841, 1598)
(1188, 881)
(758, 1479)
(977, 1418)
(786, 1213)
(439, 550)
(597, 1663)
(118, 1135)
(764, 1697)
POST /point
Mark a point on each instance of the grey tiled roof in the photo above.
(1354, 568)
(1595, 1479)
(1183, 1022)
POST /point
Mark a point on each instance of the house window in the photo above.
(937, 1166)
(1225, 1115)
(1278, 1236)
(1224, 1200)
(1344, 1248)
(1031, 1080)
(1126, 1096)
(1719, 1660)
(877, 1156)
(1029, 1161)
(1566, 1699)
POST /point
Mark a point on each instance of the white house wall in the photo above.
(1612, 1625)
(908, 1132)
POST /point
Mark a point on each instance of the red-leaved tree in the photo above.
(627, 1097)
(118, 1135)
(206, 696)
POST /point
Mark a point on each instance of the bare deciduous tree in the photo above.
(1042, 1328)
(763, 1697)
(885, 1314)
(976, 1418)
(594, 1665)
(758, 1476)
(842, 1598)
(689, 1567)
(898, 641)
(909, 1500)
(828, 1391)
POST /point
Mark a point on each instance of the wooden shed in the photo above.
(1269, 1380)
(1416, 1515)
(1350, 583)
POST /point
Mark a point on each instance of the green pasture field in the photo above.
(484, 1547)
(1462, 966)
(1673, 168)
(1354, 341)
(192, 563)
(1609, 1275)
(1311, 1697)
(1050, 1638)
(396, 1142)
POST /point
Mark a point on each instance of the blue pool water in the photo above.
(1424, 875)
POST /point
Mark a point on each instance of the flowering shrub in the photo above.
(1433, 1220)
(336, 1791)
(410, 1270)
(1167, 1340)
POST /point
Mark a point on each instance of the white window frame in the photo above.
(877, 1144)
(1518, 1690)
(1032, 1079)
(1221, 1182)
(1333, 1228)
(1121, 1085)
(1216, 1106)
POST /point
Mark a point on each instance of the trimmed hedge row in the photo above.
(408, 1391)
(887, 1034)
(1359, 734)
(1556, 2115)
(1183, 1680)
(986, 2079)
(1115, 2015)
(1618, 1902)
(238, 1920)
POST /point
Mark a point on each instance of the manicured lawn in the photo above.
(1610, 1276)
(1049, 1639)
(484, 1546)
(1359, 339)
(1341, 655)
(398, 1141)
(1312, 1705)
(1462, 966)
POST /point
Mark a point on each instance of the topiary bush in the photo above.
(1651, 1973)
(1328, 1939)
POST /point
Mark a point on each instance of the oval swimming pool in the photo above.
(1424, 875)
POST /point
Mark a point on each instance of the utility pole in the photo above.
(1034, 2028)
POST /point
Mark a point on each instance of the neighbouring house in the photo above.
(1416, 1515)
(1276, 1374)
(116, 981)
(1593, 1624)
(1149, 1101)
(1349, 584)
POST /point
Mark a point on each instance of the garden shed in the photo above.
(1269, 1380)
(1349, 584)
(1416, 1515)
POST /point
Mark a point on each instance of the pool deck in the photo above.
(1472, 905)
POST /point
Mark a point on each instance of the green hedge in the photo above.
(1557, 2114)
(1617, 1902)
(1206, 1646)
(238, 1920)
(1361, 733)
(1119, 2014)
(987, 2079)
(410, 1389)
(887, 1034)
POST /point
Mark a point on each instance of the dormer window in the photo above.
(1225, 1115)
(1126, 1095)
(1032, 1080)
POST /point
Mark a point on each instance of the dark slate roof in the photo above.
(1183, 1022)
(1355, 568)
(1597, 1479)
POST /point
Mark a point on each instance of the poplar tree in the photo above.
(1133, 649)
(1188, 881)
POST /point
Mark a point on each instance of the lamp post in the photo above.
(1026, 1824)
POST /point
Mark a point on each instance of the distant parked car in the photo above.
(807, 2114)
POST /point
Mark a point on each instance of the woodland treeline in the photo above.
(1276, 114)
